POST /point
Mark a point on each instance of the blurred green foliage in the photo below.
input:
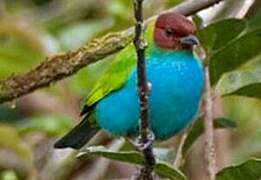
(34, 29)
(53, 125)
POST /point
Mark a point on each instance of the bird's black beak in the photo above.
(189, 40)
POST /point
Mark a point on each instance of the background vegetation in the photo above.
(30, 30)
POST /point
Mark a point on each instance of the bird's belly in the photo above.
(173, 103)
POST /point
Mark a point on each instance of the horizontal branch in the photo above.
(57, 67)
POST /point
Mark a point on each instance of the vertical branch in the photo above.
(238, 9)
(210, 151)
(140, 45)
(145, 139)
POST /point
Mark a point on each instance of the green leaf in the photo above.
(123, 156)
(134, 157)
(198, 21)
(235, 54)
(249, 170)
(162, 153)
(255, 20)
(217, 35)
(245, 81)
(198, 128)
(166, 170)
(252, 90)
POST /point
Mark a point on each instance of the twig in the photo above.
(178, 159)
(210, 151)
(140, 45)
(61, 66)
(238, 10)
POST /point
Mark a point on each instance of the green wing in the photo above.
(115, 76)
(118, 72)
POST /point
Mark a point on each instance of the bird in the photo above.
(176, 75)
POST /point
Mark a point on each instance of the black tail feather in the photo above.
(79, 135)
(86, 110)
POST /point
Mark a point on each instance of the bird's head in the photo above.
(175, 32)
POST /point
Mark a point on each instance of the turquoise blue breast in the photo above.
(177, 80)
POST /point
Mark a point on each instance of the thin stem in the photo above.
(210, 150)
(238, 10)
(178, 159)
(140, 45)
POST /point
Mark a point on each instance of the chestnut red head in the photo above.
(174, 31)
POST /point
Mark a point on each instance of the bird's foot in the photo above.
(141, 145)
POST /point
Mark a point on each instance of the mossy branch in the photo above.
(57, 67)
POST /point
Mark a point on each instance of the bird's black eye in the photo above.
(169, 32)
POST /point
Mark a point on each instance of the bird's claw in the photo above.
(141, 145)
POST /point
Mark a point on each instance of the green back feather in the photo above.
(118, 72)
